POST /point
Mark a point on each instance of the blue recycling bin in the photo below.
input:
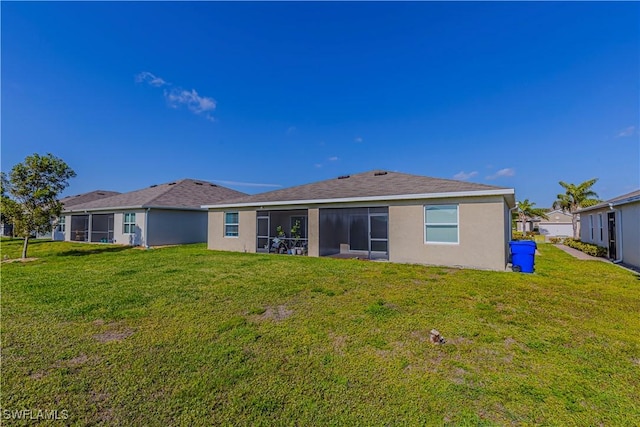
(523, 254)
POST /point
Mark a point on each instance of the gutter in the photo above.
(122, 208)
(610, 204)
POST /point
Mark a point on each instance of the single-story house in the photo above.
(557, 224)
(161, 214)
(615, 224)
(375, 215)
(531, 224)
(6, 229)
(77, 199)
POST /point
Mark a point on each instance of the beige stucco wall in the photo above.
(484, 224)
(313, 230)
(246, 240)
(557, 218)
(482, 235)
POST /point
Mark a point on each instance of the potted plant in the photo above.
(279, 243)
(296, 235)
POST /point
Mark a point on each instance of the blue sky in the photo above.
(258, 96)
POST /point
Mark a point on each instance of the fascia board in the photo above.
(478, 193)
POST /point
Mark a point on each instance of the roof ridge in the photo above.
(171, 185)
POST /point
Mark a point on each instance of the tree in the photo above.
(30, 195)
(527, 210)
(576, 197)
(3, 194)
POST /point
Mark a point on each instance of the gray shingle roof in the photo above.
(367, 184)
(632, 196)
(186, 193)
(87, 197)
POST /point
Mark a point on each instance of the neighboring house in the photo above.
(530, 224)
(557, 224)
(6, 229)
(161, 214)
(615, 224)
(376, 215)
(69, 201)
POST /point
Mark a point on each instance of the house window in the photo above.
(129, 223)
(231, 223)
(591, 226)
(62, 224)
(600, 227)
(441, 224)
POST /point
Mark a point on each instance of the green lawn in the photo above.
(187, 336)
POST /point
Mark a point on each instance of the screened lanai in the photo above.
(79, 228)
(102, 228)
(361, 232)
(281, 231)
(92, 228)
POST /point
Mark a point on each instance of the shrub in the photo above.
(556, 240)
(587, 248)
(518, 235)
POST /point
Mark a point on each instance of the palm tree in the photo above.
(526, 210)
(576, 197)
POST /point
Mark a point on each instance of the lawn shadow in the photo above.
(32, 241)
(93, 251)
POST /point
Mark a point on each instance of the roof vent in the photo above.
(154, 185)
(344, 176)
(380, 173)
(213, 185)
(197, 183)
(171, 183)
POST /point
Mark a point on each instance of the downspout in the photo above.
(511, 219)
(88, 237)
(146, 228)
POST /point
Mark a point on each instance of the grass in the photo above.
(187, 336)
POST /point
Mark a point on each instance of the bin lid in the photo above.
(523, 243)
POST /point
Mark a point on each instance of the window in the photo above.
(129, 223)
(231, 221)
(441, 224)
(591, 225)
(600, 227)
(62, 225)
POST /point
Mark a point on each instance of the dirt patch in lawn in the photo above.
(38, 375)
(8, 261)
(110, 336)
(280, 312)
(76, 361)
(339, 343)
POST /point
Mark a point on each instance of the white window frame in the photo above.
(228, 235)
(62, 224)
(600, 227)
(129, 221)
(457, 224)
